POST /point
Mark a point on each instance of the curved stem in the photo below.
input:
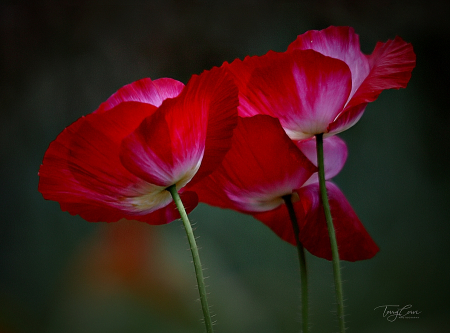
(301, 257)
(196, 258)
(331, 233)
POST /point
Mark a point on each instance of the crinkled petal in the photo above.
(188, 134)
(391, 64)
(303, 88)
(335, 154)
(262, 166)
(340, 43)
(241, 71)
(144, 91)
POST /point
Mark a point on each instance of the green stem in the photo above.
(331, 233)
(195, 256)
(301, 256)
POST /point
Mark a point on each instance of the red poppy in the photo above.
(322, 83)
(264, 165)
(117, 162)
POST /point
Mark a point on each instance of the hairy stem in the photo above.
(331, 233)
(196, 258)
(302, 260)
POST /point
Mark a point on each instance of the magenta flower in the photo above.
(264, 165)
(118, 161)
(322, 83)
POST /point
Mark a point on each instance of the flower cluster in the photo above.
(240, 136)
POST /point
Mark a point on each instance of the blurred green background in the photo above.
(60, 59)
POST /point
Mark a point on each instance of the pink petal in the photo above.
(190, 130)
(391, 64)
(303, 89)
(144, 91)
(262, 166)
(340, 43)
(335, 155)
(348, 118)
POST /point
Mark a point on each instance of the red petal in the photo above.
(279, 221)
(56, 181)
(164, 215)
(222, 118)
(82, 170)
(335, 154)
(391, 64)
(262, 166)
(354, 242)
(192, 129)
(94, 147)
(242, 73)
(83, 160)
(144, 91)
(92, 212)
(340, 43)
(147, 152)
(170, 212)
(304, 89)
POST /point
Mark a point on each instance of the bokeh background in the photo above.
(60, 59)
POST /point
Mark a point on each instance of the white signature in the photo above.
(392, 312)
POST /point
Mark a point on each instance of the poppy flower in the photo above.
(322, 83)
(354, 242)
(118, 161)
(263, 166)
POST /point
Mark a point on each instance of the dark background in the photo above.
(60, 59)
